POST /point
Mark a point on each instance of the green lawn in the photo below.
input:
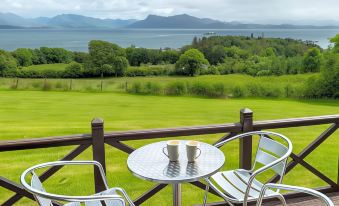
(27, 114)
(54, 67)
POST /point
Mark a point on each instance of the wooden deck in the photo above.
(308, 201)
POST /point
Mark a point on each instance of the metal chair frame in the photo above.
(315, 193)
(253, 173)
(80, 199)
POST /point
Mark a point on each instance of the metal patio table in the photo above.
(149, 163)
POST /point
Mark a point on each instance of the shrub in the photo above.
(264, 73)
(218, 90)
(73, 70)
(7, 62)
(152, 88)
(200, 88)
(176, 88)
(238, 91)
(47, 86)
(136, 88)
(147, 70)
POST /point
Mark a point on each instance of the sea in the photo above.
(77, 39)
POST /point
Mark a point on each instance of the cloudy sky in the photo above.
(261, 11)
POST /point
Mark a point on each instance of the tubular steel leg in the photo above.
(206, 193)
(176, 195)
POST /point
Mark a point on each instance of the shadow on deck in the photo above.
(308, 201)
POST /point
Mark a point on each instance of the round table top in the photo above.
(149, 163)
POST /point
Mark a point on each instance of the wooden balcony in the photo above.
(98, 139)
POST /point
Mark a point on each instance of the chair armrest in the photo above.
(259, 171)
(315, 193)
(124, 193)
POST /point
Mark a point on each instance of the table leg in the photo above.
(176, 194)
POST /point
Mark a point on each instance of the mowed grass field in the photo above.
(35, 114)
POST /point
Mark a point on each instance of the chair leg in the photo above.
(206, 193)
(282, 199)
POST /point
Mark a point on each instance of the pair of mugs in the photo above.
(173, 150)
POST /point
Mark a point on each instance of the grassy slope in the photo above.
(38, 114)
(54, 67)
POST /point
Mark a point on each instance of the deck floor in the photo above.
(309, 201)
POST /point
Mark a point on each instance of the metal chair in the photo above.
(240, 186)
(110, 196)
(315, 193)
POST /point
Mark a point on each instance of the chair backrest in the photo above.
(269, 151)
(36, 184)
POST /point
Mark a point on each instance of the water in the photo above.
(77, 39)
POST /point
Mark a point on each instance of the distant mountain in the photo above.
(177, 21)
(11, 27)
(78, 21)
(63, 21)
(185, 21)
(15, 20)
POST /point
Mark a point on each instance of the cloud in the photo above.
(263, 11)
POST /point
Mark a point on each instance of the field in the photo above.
(234, 85)
(53, 67)
(27, 114)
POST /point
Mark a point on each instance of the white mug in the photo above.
(172, 150)
(191, 150)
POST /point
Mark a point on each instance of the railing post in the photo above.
(245, 144)
(98, 144)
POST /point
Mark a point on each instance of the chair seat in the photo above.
(234, 184)
(98, 203)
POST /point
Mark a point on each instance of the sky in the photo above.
(252, 11)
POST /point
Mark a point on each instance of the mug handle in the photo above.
(163, 151)
(198, 154)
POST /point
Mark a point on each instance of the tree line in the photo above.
(213, 55)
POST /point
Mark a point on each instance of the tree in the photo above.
(81, 57)
(328, 83)
(7, 62)
(56, 55)
(101, 53)
(23, 57)
(73, 70)
(216, 55)
(120, 65)
(335, 41)
(38, 57)
(191, 63)
(170, 56)
(312, 60)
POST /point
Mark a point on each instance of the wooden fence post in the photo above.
(70, 85)
(98, 144)
(245, 144)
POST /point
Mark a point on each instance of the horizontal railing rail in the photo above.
(98, 138)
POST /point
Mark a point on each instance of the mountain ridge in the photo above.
(191, 22)
(181, 21)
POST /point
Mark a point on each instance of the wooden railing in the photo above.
(97, 140)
